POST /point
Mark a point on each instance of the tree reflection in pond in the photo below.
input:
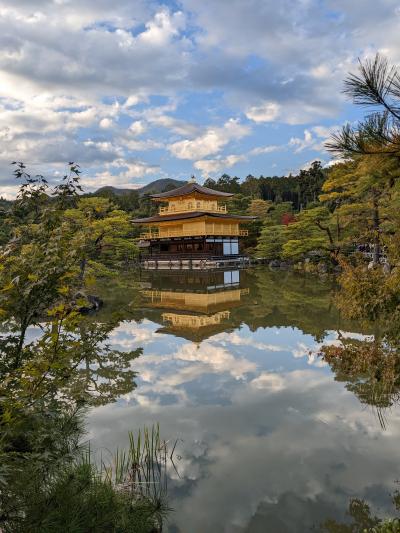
(370, 369)
(361, 519)
(369, 366)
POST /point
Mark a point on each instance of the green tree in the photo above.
(362, 190)
(313, 230)
(129, 201)
(225, 183)
(377, 85)
(41, 286)
(271, 241)
(104, 233)
(309, 184)
(251, 187)
(276, 212)
(238, 204)
(259, 208)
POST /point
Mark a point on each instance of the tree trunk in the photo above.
(334, 251)
(82, 269)
(376, 228)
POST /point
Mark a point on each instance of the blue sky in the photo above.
(137, 90)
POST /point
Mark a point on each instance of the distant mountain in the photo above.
(112, 190)
(157, 186)
(161, 185)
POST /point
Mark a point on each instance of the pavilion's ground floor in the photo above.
(192, 252)
(192, 246)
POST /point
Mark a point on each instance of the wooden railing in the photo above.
(193, 233)
(168, 210)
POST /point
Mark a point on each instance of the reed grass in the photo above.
(141, 470)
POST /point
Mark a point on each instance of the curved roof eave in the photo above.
(190, 188)
(195, 214)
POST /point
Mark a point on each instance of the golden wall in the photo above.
(194, 228)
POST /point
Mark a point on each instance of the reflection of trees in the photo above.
(361, 519)
(291, 299)
(70, 361)
(47, 374)
(370, 369)
(44, 470)
(275, 299)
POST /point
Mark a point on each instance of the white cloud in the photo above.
(213, 166)
(266, 112)
(142, 145)
(106, 123)
(8, 192)
(267, 381)
(133, 100)
(321, 71)
(175, 125)
(137, 127)
(266, 149)
(210, 142)
(302, 144)
(220, 163)
(120, 173)
(162, 28)
(314, 139)
(238, 339)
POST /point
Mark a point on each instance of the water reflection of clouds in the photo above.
(128, 335)
(265, 430)
(172, 370)
(298, 433)
(242, 338)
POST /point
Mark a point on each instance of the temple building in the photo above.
(192, 230)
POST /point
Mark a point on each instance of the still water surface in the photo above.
(269, 439)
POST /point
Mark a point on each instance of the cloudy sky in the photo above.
(135, 90)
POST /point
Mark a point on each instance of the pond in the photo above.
(269, 437)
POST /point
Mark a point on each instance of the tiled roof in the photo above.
(190, 188)
(194, 214)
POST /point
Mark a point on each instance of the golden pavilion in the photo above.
(193, 229)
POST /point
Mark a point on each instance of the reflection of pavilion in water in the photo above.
(196, 305)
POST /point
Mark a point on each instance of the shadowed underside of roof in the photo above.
(194, 214)
(190, 188)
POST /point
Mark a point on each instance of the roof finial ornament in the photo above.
(193, 179)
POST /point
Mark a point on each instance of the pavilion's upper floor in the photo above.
(191, 197)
